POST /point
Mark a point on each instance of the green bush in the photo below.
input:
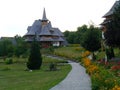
(8, 61)
(52, 67)
(35, 58)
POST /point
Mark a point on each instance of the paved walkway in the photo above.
(77, 79)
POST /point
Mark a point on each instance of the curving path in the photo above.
(77, 79)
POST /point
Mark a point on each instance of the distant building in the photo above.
(45, 33)
(11, 39)
(108, 16)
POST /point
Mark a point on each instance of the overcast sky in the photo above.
(17, 15)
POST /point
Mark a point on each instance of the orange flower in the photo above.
(92, 69)
(86, 53)
(86, 62)
(116, 87)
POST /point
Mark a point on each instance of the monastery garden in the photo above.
(25, 65)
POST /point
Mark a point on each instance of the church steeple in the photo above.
(44, 18)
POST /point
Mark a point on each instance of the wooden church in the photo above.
(46, 34)
(108, 15)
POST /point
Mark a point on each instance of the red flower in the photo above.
(116, 67)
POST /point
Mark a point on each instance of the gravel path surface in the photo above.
(77, 79)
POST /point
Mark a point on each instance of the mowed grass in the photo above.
(70, 52)
(14, 76)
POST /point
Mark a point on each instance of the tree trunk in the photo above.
(93, 56)
(112, 52)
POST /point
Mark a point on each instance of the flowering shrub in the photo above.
(116, 87)
(103, 74)
(102, 78)
(85, 54)
(86, 62)
(91, 69)
(115, 67)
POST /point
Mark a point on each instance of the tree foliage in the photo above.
(20, 47)
(12, 46)
(6, 47)
(75, 37)
(80, 32)
(35, 58)
(92, 39)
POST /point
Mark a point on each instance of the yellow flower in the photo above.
(116, 87)
(86, 53)
(86, 62)
(92, 69)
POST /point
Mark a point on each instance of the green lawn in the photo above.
(69, 52)
(75, 52)
(14, 76)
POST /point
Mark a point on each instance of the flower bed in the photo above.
(103, 74)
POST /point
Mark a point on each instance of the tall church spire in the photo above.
(44, 18)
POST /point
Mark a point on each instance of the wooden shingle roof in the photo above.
(35, 28)
(111, 11)
(44, 31)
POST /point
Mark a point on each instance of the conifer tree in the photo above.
(35, 58)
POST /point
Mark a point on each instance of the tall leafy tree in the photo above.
(92, 39)
(75, 37)
(70, 36)
(6, 48)
(35, 58)
(66, 35)
(79, 33)
(20, 47)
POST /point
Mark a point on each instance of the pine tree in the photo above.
(35, 58)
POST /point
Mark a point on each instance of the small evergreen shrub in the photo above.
(8, 61)
(52, 67)
(35, 58)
